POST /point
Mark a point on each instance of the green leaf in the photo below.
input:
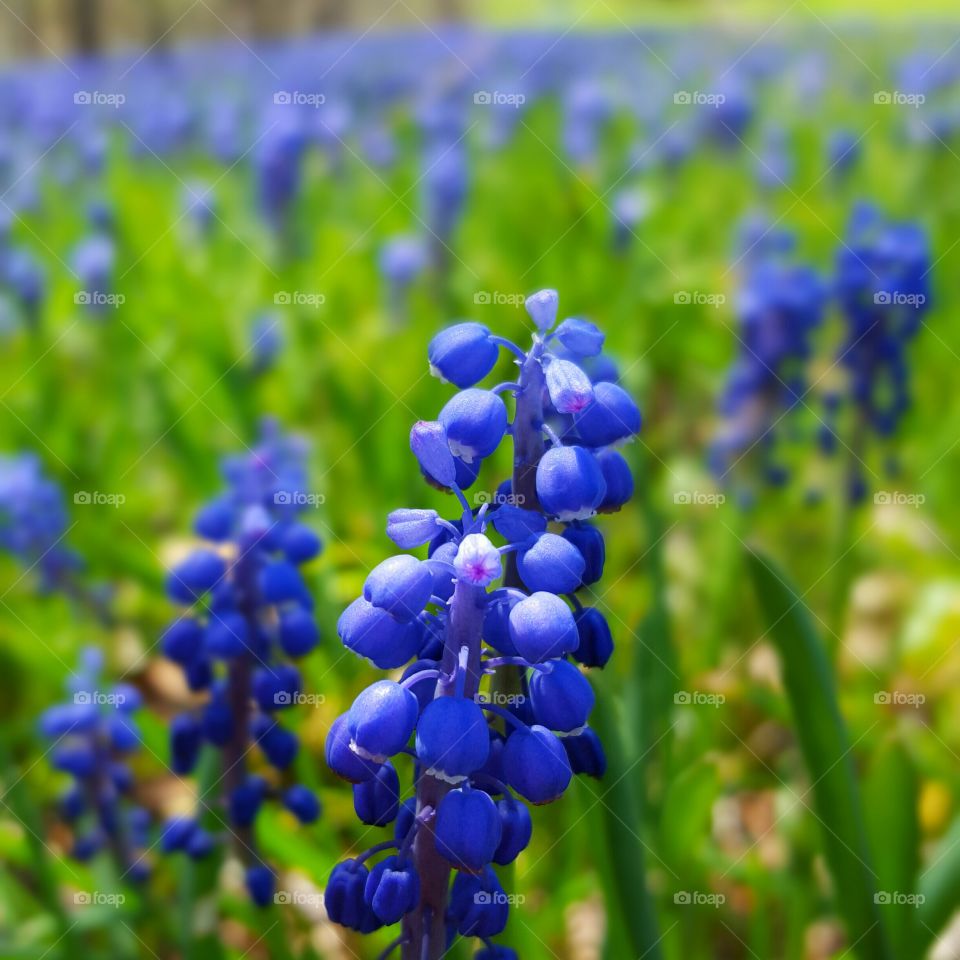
(938, 887)
(627, 892)
(890, 791)
(826, 749)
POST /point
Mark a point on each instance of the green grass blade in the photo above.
(939, 888)
(890, 791)
(811, 690)
(627, 892)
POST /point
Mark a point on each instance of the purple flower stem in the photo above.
(239, 680)
(424, 928)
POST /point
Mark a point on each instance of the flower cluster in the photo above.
(91, 736)
(780, 307)
(883, 290)
(33, 521)
(247, 613)
(490, 630)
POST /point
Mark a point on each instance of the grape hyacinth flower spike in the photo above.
(91, 736)
(492, 608)
(247, 614)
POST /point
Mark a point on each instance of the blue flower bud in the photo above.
(63, 719)
(452, 738)
(585, 753)
(341, 759)
(569, 387)
(381, 720)
(199, 673)
(496, 951)
(466, 473)
(260, 883)
(400, 585)
(278, 744)
(589, 541)
(412, 528)
(195, 576)
(186, 738)
(542, 628)
(281, 581)
(516, 524)
(72, 804)
(176, 833)
(243, 802)
(477, 561)
(467, 829)
(406, 817)
(215, 520)
(580, 337)
(441, 561)
(372, 633)
(216, 721)
(377, 801)
(613, 416)
(596, 640)
(570, 483)
(181, 640)
(428, 441)
(392, 889)
(344, 897)
(199, 844)
(475, 422)
(542, 308)
(425, 688)
(227, 635)
(478, 905)
(302, 803)
(276, 687)
(79, 759)
(535, 764)
(299, 633)
(551, 563)
(300, 544)
(463, 354)
(561, 698)
(619, 480)
(496, 626)
(516, 828)
(85, 848)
